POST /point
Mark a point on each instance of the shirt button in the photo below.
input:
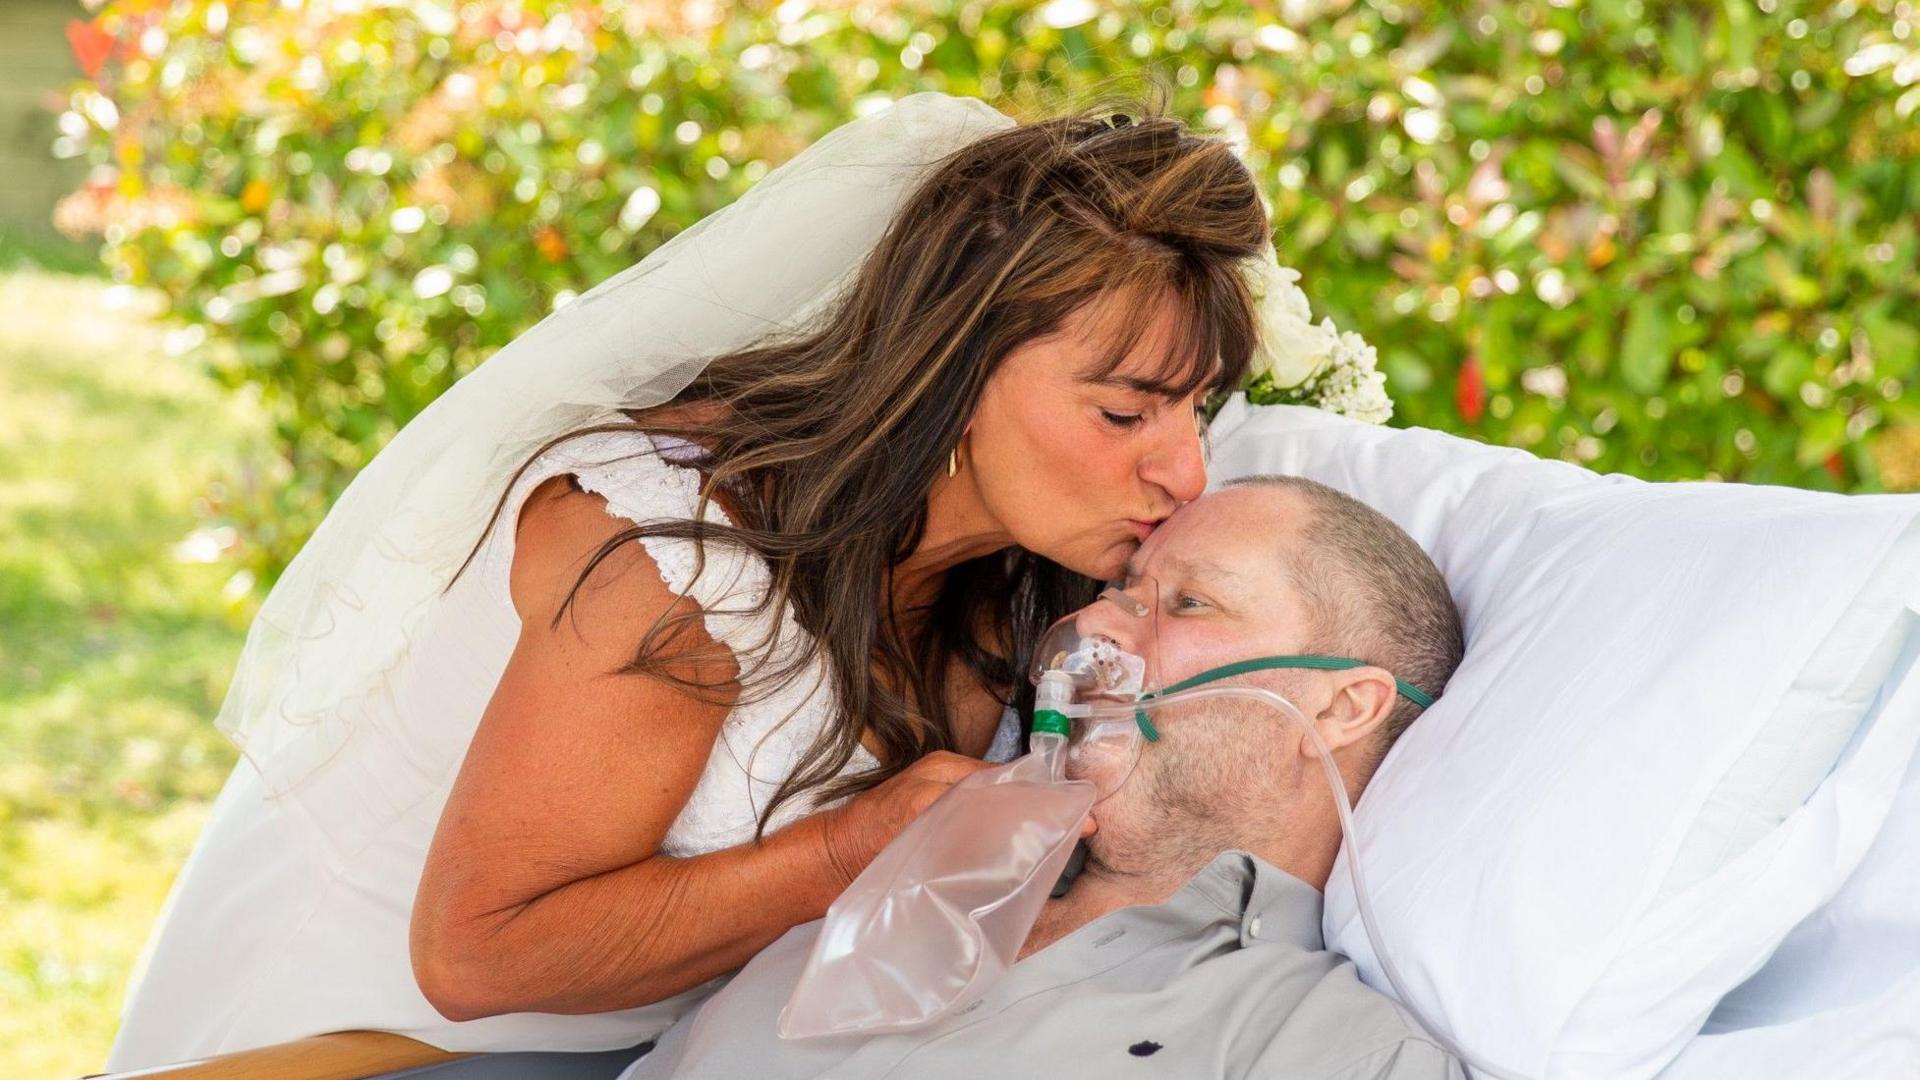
(1253, 927)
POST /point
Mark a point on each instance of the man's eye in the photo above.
(1187, 602)
(1123, 421)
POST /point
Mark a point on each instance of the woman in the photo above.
(593, 775)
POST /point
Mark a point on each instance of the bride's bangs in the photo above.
(1193, 358)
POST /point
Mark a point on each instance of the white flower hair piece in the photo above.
(1297, 361)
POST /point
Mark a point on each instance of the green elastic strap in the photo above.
(1268, 663)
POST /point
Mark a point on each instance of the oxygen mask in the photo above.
(1087, 682)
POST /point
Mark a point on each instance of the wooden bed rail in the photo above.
(343, 1055)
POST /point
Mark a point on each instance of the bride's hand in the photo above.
(856, 830)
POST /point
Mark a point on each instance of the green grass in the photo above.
(44, 249)
(114, 649)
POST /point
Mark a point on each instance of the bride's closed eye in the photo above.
(1126, 421)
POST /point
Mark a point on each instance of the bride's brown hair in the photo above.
(828, 443)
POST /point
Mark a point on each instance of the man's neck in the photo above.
(1097, 891)
(1305, 853)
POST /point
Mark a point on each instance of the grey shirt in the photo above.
(1228, 978)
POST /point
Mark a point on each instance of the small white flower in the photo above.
(1352, 386)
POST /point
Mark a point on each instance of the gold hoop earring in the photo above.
(953, 462)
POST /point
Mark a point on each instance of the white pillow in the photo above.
(1869, 1038)
(1856, 957)
(1840, 998)
(1633, 787)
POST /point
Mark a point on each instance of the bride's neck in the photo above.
(959, 528)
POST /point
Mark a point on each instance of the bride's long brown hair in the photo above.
(827, 444)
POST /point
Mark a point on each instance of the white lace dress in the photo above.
(290, 917)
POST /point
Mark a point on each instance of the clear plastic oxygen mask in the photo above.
(1086, 683)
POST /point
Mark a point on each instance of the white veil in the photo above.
(339, 626)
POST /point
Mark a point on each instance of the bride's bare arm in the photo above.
(544, 889)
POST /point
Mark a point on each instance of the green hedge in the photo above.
(1672, 239)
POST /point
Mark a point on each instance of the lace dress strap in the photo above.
(642, 481)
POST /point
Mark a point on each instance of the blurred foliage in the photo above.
(1672, 239)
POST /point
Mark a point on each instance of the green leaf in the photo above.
(1497, 351)
(1788, 367)
(1646, 353)
(1896, 345)
(1683, 41)
(1679, 210)
(1333, 162)
(1742, 34)
(1818, 113)
(1406, 372)
(1823, 433)
(1580, 177)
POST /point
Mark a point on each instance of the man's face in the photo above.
(1213, 579)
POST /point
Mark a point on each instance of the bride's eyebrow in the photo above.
(1175, 377)
(1156, 387)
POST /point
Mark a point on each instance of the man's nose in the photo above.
(1178, 465)
(1114, 619)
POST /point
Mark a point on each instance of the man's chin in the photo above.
(1094, 817)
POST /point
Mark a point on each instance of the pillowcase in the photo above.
(1847, 979)
(1651, 763)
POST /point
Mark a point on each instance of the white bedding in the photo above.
(1634, 789)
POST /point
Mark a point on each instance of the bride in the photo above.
(765, 528)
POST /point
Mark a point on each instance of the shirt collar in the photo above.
(1272, 906)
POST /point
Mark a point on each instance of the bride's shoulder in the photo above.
(611, 596)
(591, 489)
(561, 527)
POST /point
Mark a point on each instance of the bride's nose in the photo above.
(1177, 464)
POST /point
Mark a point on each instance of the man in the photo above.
(1190, 945)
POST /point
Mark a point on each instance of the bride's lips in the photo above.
(1141, 528)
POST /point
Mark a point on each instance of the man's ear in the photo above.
(1361, 701)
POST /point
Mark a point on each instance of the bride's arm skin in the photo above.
(544, 889)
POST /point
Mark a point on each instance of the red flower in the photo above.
(1836, 466)
(1470, 390)
(91, 46)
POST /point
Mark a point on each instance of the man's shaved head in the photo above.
(1371, 592)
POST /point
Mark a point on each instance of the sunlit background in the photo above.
(243, 241)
